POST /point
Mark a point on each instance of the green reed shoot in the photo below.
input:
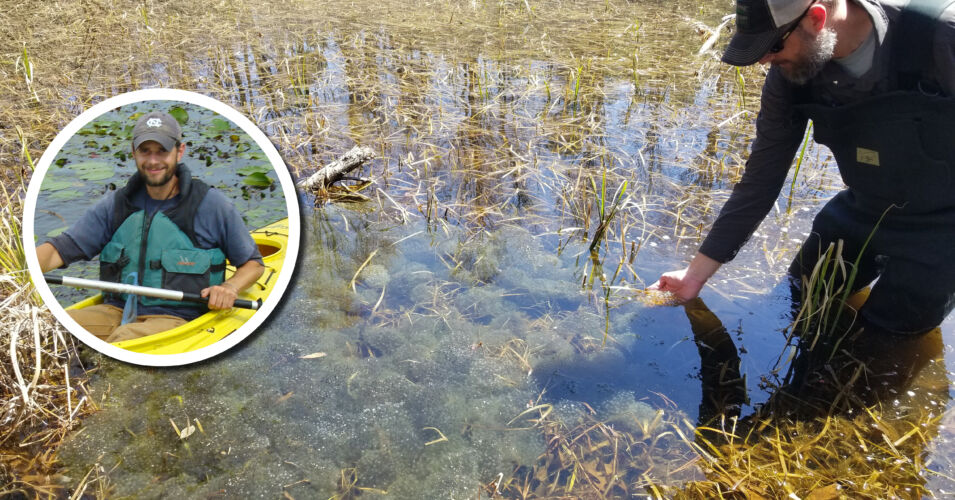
(843, 299)
(819, 290)
(636, 78)
(27, 66)
(297, 72)
(144, 14)
(799, 160)
(580, 72)
(25, 154)
(741, 88)
(28, 76)
(606, 216)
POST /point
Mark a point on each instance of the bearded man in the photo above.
(877, 79)
(164, 229)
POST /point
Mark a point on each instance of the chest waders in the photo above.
(895, 148)
(160, 249)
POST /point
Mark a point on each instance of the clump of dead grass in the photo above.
(592, 458)
(41, 383)
(41, 393)
(866, 456)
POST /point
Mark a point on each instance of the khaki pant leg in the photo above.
(145, 325)
(100, 320)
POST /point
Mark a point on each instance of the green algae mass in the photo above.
(415, 399)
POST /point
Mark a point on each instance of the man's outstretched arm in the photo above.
(49, 257)
(224, 295)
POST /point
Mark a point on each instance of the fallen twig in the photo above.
(335, 171)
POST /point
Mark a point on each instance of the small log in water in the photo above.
(335, 171)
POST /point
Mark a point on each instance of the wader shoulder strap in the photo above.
(913, 54)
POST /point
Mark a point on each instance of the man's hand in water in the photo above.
(682, 287)
(686, 284)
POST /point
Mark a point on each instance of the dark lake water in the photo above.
(460, 302)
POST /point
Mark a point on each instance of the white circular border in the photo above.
(291, 203)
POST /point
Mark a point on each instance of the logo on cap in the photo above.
(154, 122)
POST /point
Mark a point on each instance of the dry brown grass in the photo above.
(42, 396)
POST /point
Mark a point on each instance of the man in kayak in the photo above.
(164, 229)
(877, 79)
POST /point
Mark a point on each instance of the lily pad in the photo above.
(257, 179)
(218, 125)
(66, 194)
(255, 155)
(254, 169)
(179, 114)
(93, 170)
(51, 185)
(256, 214)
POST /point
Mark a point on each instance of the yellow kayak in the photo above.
(215, 325)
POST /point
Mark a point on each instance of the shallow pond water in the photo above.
(442, 335)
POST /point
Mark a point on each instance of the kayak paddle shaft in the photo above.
(159, 293)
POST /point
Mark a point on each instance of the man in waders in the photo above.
(877, 79)
(164, 229)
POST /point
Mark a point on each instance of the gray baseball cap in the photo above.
(759, 25)
(157, 126)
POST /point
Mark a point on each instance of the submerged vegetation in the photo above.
(477, 326)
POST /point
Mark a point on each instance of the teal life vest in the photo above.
(160, 249)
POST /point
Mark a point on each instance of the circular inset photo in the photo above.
(165, 227)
